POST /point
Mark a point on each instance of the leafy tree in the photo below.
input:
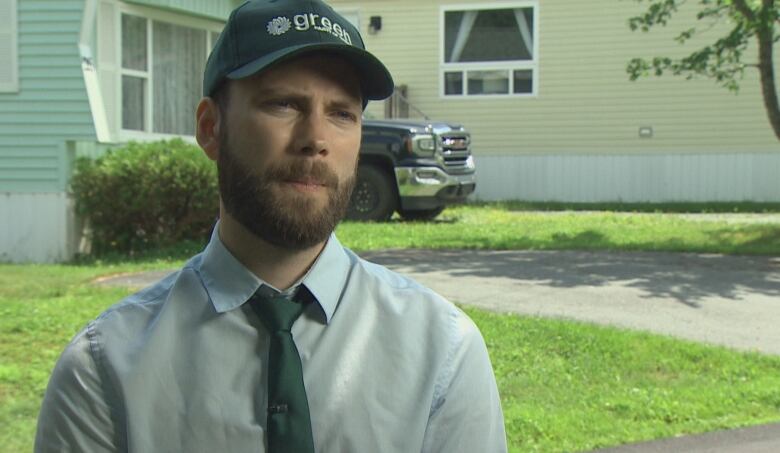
(722, 60)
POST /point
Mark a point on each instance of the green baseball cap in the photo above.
(260, 33)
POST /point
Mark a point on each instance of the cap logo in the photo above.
(303, 22)
(278, 26)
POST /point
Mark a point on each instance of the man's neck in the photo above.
(279, 267)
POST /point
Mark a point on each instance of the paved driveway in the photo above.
(727, 300)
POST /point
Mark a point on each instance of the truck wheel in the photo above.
(374, 195)
(421, 214)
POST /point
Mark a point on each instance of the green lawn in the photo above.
(508, 227)
(573, 387)
(514, 226)
(565, 386)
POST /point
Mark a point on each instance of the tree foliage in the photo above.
(724, 59)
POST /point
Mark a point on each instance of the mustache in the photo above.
(308, 170)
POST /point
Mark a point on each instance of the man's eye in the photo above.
(281, 104)
(346, 115)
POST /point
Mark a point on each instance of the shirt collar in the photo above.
(229, 284)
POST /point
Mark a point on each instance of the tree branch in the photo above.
(721, 60)
(745, 10)
(766, 68)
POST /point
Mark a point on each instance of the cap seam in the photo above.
(234, 38)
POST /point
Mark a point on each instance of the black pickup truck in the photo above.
(415, 167)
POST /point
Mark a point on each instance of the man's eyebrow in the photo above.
(274, 92)
(345, 101)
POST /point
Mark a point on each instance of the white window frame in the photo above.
(152, 14)
(532, 65)
(12, 35)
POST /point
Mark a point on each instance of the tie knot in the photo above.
(278, 313)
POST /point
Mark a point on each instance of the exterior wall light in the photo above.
(374, 24)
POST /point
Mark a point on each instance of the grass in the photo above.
(565, 386)
(41, 308)
(529, 226)
(505, 226)
(569, 386)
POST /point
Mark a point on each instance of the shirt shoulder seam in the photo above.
(115, 404)
(445, 377)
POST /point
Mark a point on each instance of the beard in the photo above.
(284, 218)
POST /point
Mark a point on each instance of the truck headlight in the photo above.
(427, 144)
(424, 145)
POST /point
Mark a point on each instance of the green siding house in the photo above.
(541, 84)
(85, 75)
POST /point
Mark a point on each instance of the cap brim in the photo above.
(376, 81)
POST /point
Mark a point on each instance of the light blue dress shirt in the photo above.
(389, 366)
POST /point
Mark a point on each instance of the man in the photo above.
(369, 361)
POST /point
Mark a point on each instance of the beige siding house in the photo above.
(542, 86)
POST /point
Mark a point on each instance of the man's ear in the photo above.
(208, 122)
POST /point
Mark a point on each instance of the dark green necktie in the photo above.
(289, 425)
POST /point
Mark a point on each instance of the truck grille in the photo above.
(455, 151)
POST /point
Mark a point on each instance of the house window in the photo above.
(489, 50)
(162, 74)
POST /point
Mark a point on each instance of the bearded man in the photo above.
(277, 338)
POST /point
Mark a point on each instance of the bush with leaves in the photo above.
(146, 195)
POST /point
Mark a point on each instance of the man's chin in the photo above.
(292, 231)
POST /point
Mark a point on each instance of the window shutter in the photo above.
(9, 72)
(108, 63)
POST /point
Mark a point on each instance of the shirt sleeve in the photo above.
(75, 414)
(467, 416)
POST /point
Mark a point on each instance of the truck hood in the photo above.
(415, 126)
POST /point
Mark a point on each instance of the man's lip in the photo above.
(305, 182)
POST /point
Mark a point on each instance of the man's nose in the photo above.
(311, 134)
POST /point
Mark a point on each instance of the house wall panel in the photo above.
(62, 130)
(9, 55)
(34, 62)
(215, 9)
(630, 178)
(58, 119)
(34, 106)
(42, 228)
(32, 147)
(51, 105)
(25, 168)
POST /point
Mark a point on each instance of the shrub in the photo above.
(146, 195)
